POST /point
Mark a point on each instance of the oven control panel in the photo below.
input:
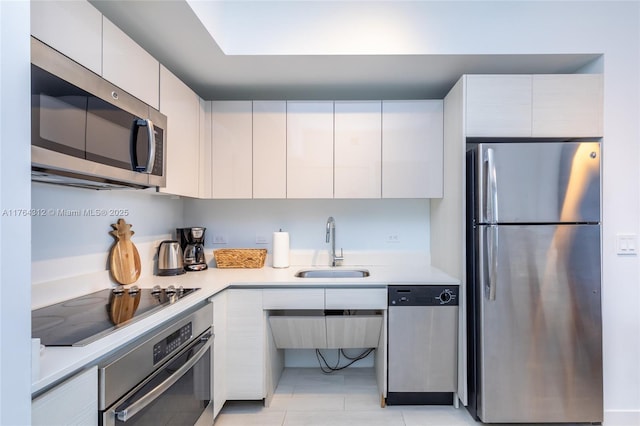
(171, 343)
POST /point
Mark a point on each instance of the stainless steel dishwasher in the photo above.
(423, 344)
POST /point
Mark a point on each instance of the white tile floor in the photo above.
(307, 397)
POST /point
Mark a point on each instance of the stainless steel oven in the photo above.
(164, 378)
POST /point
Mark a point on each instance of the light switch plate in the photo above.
(627, 244)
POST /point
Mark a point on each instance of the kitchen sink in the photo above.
(332, 273)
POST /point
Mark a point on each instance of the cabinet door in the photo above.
(269, 149)
(358, 149)
(74, 402)
(412, 144)
(231, 139)
(206, 170)
(498, 105)
(129, 66)
(245, 345)
(310, 149)
(219, 351)
(182, 108)
(567, 105)
(74, 28)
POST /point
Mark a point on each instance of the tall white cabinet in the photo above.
(309, 149)
(412, 134)
(231, 149)
(358, 149)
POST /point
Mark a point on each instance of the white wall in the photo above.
(15, 291)
(65, 245)
(361, 225)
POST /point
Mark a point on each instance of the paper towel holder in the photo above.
(280, 249)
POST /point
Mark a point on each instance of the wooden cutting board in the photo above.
(124, 259)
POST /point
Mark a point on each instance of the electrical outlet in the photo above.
(393, 238)
(219, 239)
(261, 239)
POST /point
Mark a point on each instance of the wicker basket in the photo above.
(240, 258)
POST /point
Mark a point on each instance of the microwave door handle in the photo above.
(151, 156)
(151, 138)
(131, 410)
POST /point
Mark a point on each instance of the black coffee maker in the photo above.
(192, 243)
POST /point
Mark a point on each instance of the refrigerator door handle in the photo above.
(491, 190)
(492, 257)
(488, 260)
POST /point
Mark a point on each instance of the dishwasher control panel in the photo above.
(423, 295)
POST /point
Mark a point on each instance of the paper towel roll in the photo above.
(280, 249)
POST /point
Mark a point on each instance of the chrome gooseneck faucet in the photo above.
(331, 237)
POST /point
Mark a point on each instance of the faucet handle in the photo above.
(341, 257)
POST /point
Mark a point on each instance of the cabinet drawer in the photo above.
(281, 298)
(356, 298)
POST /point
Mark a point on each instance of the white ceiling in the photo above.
(312, 65)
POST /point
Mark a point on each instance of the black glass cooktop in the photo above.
(80, 321)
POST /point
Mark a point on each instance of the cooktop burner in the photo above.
(80, 321)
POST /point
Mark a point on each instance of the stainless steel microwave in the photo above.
(89, 133)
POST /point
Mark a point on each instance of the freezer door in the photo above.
(540, 334)
(538, 182)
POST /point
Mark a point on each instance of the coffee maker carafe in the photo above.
(192, 243)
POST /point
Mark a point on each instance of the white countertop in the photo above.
(57, 363)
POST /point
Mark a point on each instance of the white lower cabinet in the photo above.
(219, 382)
(74, 402)
(245, 375)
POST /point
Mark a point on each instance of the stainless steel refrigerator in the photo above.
(534, 278)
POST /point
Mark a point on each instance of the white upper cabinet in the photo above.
(182, 108)
(310, 149)
(269, 149)
(232, 149)
(567, 105)
(412, 149)
(498, 105)
(358, 149)
(206, 171)
(545, 105)
(73, 28)
(129, 66)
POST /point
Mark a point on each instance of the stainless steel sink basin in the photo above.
(332, 273)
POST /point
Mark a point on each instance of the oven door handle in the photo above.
(133, 409)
